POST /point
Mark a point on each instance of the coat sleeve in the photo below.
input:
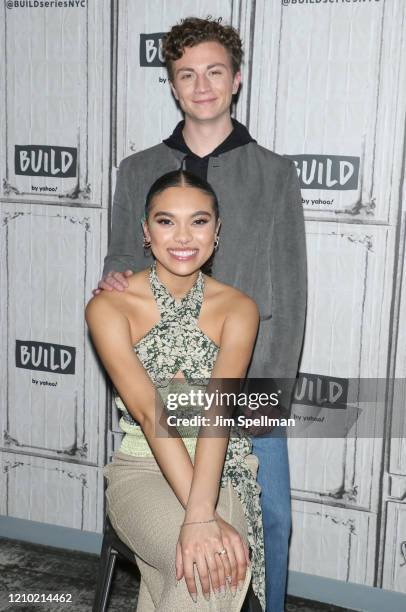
(289, 280)
(289, 289)
(125, 249)
(280, 337)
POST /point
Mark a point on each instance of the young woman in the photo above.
(187, 505)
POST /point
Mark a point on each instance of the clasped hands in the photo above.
(219, 553)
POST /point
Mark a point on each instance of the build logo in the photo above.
(45, 357)
(319, 390)
(43, 160)
(151, 50)
(337, 172)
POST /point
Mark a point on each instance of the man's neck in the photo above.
(203, 137)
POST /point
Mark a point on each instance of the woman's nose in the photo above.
(183, 235)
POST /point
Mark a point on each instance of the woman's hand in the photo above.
(237, 558)
(202, 544)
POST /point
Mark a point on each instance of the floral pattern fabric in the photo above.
(174, 344)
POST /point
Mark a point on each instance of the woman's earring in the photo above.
(147, 245)
(216, 243)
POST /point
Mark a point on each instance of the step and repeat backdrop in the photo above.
(324, 83)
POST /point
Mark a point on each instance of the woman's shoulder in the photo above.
(120, 301)
(230, 298)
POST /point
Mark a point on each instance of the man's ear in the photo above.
(174, 90)
(236, 82)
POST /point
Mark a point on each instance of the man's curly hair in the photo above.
(193, 31)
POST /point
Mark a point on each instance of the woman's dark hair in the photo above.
(180, 178)
(183, 178)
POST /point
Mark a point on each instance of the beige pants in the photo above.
(147, 515)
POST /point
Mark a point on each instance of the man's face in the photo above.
(203, 82)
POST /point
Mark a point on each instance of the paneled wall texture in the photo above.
(324, 83)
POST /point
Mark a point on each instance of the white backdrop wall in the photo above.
(323, 83)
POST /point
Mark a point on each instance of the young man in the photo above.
(262, 239)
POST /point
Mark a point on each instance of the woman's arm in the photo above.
(200, 543)
(236, 345)
(110, 331)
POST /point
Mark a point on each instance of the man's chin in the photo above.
(206, 116)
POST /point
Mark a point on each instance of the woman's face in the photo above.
(182, 227)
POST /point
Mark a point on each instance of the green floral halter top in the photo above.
(174, 344)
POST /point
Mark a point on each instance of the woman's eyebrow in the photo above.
(169, 214)
(163, 212)
(202, 212)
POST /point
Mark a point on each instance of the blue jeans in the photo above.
(273, 477)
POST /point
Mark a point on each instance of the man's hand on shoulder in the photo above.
(113, 280)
